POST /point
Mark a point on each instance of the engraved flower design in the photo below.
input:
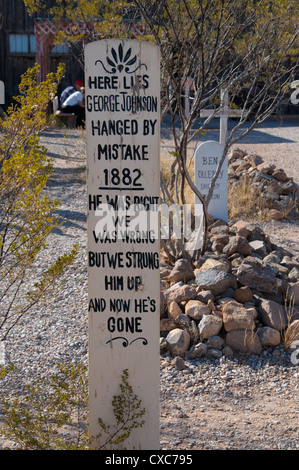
(120, 60)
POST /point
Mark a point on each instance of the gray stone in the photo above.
(174, 310)
(196, 309)
(243, 294)
(205, 296)
(178, 341)
(184, 319)
(244, 341)
(253, 260)
(227, 295)
(269, 336)
(237, 244)
(179, 363)
(288, 187)
(218, 264)
(237, 317)
(167, 324)
(221, 238)
(209, 325)
(254, 159)
(243, 228)
(279, 174)
(289, 262)
(214, 352)
(179, 294)
(198, 350)
(215, 281)
(182, 271)
(266, 168)
(271, 258)
(273, 314)
(227, 351)
(259, 247)
(278, 269)
(215, 342)
(262, 279)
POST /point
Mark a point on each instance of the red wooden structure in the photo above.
(46, 29)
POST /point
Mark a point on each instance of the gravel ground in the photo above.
(244, 402)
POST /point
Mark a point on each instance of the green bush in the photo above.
(27, 215)
(51, 414)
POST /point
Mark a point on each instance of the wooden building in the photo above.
(26, 40)
(18, 49)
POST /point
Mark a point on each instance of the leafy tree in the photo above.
(246, 48)
(90, 20)
(27, 215)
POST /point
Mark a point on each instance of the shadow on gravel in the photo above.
(62, 176)
(262, 134)
(61, 134)
(63, 157)
(69, 219)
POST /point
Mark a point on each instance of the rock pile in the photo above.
(278, 192)
(241, 295)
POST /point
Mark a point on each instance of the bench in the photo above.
(67, 118)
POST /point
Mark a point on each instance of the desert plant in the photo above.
(127, 412)
(27, 215)
(246, 199)
(51, 414)
(291, 332)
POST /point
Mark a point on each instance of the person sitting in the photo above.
(75, 104)
(70, 90)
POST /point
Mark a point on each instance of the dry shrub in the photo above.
(291, 333)
(246, 199)
(166, 161)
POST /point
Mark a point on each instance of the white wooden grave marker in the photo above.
(207, 157)
(122, 94)
(224, 112)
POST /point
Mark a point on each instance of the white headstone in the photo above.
(207, 158)
(122, 95)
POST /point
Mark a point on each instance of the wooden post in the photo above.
(122, 95)
(224, 112)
